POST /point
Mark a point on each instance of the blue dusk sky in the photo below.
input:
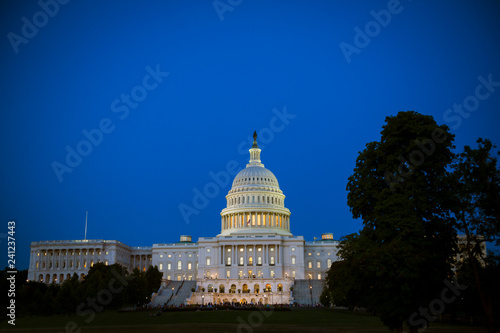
(130, 109)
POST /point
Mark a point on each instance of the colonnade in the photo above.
(255, 219)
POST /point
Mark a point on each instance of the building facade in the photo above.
(254, 255)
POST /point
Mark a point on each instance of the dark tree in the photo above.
(153, 278)
(399, 190)
(476, 177)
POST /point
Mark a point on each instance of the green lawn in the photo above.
(301, 320)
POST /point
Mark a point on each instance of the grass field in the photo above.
(300, 320)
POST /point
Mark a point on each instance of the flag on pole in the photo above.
(86, 216)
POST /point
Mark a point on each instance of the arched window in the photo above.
(256, 288)
(293, 260)
(329, 263)
(179, 265)
(259, 260)
(229, 261)
(221, 288)
(210, 288)
(208, 261)
(268, 287)
(271, 261)
(250, 260)
(241, 261)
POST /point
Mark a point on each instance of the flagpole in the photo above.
(86, 216)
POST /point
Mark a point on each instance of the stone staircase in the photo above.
(174, 294)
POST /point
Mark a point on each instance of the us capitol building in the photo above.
(254, 256)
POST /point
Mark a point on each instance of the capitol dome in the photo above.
(255, 203)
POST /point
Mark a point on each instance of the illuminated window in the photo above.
(318, 264)
(208, 261)
(189, 265)
(319, 276)
(161, 255)
(228, 261)
(190, 255)
(309, 264)
(179, 265)
(293, 274)
(241, 249)
(161, 267)
(228, 250)
(208, 250)
(228, 274)
(329, 263)
(293, 260)
(250, 260)
(309, 253)
(293, 249)
(241, 261)
(271, 249)
(271, 261)
(259, 260)
(272, 273)
(318, 254)
(169, 267)
(170, 256)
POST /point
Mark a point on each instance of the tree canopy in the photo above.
(399, 189)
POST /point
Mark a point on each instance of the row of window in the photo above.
(70, 264)
(71, 252)
(256, 179)
(255, 199)
(318, 263)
